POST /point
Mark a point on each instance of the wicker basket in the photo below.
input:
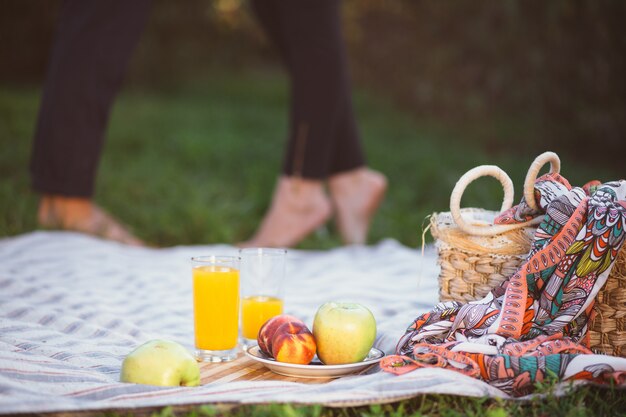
(472, 265)
(475, 255)
(607, 331)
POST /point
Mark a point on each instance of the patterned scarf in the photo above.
(534, 325)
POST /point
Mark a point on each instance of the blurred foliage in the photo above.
(560, 64)
(555, 69)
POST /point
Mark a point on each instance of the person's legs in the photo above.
(92, 47)
(320, 89)
(356, 190)
(300, 29)
(323, 139)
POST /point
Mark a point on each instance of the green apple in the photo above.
(161, 362)
(344, 332)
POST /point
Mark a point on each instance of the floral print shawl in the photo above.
(534, 325)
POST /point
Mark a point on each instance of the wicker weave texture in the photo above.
(470, 276)
(472, 265)
(608, 327)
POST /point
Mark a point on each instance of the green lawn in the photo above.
(593, 402)
(196, 163)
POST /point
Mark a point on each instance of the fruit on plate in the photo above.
(161, 362)
(344, 332)
(266, 332)
(293, 342)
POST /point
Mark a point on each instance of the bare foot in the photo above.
(356, 195)
(298, 207)
(81, 215)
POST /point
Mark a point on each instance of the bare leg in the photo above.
(299, 206)
(356, 195)
(82, 215)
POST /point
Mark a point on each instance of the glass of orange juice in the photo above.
(216, 307)
(262, 277)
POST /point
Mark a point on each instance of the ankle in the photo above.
(300, 191)
(299, 185)
(355, 180)
(58, 210)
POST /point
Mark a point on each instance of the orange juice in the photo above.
(216, 307)
(256, 310)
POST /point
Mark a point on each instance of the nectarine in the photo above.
(293, 342)
(266, 332)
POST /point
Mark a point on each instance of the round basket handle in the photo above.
(533, 171)
(457, 193)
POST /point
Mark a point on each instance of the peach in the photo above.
(266, 332)
(293, 342)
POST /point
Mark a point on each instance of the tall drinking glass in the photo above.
(262, 277)
(216, 307)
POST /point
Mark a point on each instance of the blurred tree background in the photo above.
(553, 72)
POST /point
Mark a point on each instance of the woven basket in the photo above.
(607, 330)
(475, 255)
(472, 265)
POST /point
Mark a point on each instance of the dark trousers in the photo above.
(93, 45)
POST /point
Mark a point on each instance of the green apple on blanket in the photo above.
(161, 362)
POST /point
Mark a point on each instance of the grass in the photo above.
(196, 163)
(586, 401)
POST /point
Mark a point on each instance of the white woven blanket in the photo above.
(72, 307)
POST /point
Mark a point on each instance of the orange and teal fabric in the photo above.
(534, 325)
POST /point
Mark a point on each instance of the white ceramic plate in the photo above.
(315, 369)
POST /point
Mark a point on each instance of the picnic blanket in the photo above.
(72, 307)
